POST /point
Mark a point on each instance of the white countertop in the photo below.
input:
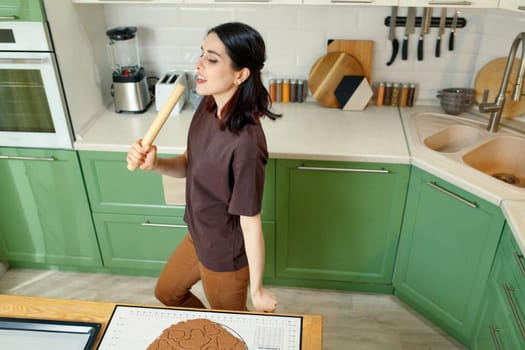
(305, 131)
(309, 131)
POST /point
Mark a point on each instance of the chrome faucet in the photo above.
(496, 108)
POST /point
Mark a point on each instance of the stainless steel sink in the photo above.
(503, 157)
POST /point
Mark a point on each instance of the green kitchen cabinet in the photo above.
(113, 188)
(139, 242)
(502, 314)
(45, 216)
(137, 229)
(447, 245)
(338, 223)
(22, 10)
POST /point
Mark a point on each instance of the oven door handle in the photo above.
(23, 60)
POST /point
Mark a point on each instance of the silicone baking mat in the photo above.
(135, 327)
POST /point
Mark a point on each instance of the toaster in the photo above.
(165, 86)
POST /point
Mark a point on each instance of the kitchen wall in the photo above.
(296, 36)
(170, 38)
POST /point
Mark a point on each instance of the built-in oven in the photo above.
(33, 111)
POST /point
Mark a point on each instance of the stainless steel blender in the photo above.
(130, 87)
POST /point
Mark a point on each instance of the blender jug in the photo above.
(130, 87)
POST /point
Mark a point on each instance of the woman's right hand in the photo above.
(142, 157)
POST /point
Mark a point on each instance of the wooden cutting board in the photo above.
(362, 50)
(326, 74)
(490, 76)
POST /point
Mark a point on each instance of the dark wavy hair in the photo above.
(246, 49)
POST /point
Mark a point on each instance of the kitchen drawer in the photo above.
(515, 259)
(22, 10)
(112, 188)
(138, 241)
(146, 242)
(514, 283)
(503, 290)
(496, 329)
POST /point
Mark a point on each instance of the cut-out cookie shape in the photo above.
(197, 334)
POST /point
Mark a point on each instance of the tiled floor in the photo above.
(355, 321)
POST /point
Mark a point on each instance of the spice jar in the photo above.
(387, 101)
(380, 94)
(278, 90)
(273, 90)
(286, 90)
(300, 91)
(293, 90)
(404, 95)
(411, 95)
(395, 95)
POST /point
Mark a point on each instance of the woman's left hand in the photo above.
(264, 301)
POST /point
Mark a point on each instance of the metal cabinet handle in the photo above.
(508, 291)
(23, 60)
(453, 195)
(48, 159)
(9, 18)
(347, 170)
(150, 224)
(518, 257)
(521, 8)
(457, 3)
(493, 330)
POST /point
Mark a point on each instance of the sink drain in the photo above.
(508, 178)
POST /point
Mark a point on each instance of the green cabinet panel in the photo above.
(446, 249)
(45, 216)
(503, 308)
(146, 242)
(22, 10)
(134, 241)
(338, 221)
(135, 226)
(113, 188)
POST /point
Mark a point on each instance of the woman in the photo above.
(224, 167)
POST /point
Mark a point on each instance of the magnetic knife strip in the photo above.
(401, 22)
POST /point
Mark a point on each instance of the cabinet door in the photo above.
(45, 216)
(137, 241)
(514, 5)
(352, 2)
(338, 222)
(112, 188)
(22, 10)
(140, 242)
(500, 318)
(447, 245)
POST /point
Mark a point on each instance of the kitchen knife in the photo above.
(409, 29)
(453, 31)
(425, 26)
(392, 35)
(442, 21)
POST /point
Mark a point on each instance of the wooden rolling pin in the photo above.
(161, 118)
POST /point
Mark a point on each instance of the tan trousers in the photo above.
(224, 290)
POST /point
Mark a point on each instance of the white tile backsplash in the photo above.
(296, 36)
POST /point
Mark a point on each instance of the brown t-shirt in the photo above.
(224, 179)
